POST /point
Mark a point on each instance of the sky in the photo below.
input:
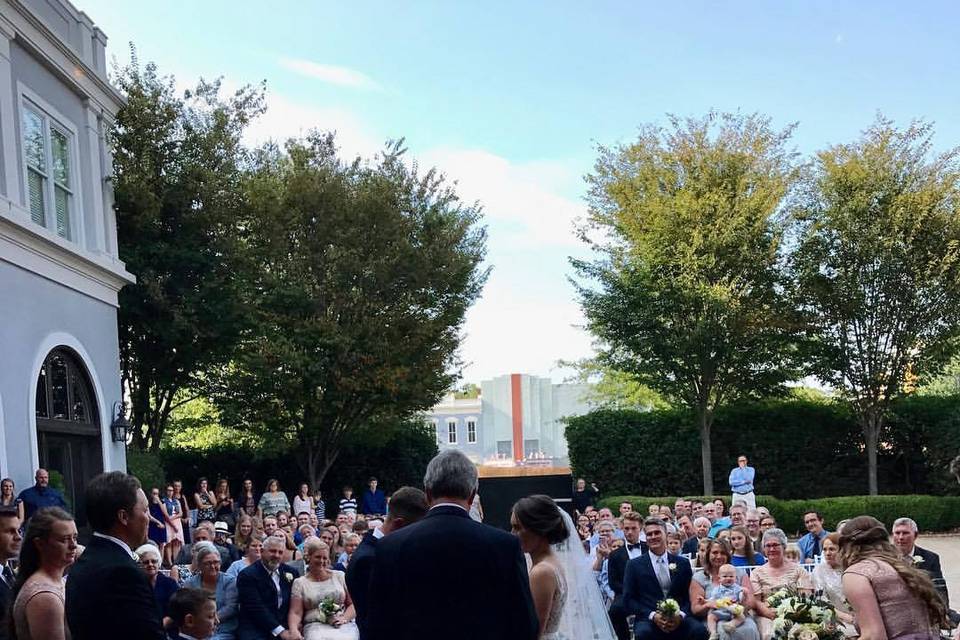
(512, 99)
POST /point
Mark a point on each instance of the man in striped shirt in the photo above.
(348, 504)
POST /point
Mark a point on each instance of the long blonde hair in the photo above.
(865, 538)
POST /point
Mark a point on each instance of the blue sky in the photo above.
(511, 99)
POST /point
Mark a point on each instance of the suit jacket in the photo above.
(617, 567)
(690, 546)
(448, 576)
(109, 596)
(259, 613)
(641, 589)
(931, 564)
(4, 603)
(358, 580)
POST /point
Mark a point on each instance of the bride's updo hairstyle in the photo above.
(541, 516)
(865, 538)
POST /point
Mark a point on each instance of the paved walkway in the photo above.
(948, 547)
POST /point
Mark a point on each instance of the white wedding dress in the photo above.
(578, 611)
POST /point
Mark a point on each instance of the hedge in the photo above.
(932, 513)
(396, 457)
(801, 448)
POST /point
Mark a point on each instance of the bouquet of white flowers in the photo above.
(328, 608)
(668, 608)
(803, 617)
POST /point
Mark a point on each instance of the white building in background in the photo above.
(60, 270)
(517, 418)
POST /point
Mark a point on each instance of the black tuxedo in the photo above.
(4, 603)
(447, 576)
(642, 592)
(691, 546)
(257, 597)
(358, 580)
(108, 596)
(931, 564)
(616, 569)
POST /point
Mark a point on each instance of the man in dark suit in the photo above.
(10, 540)
(616, 568)
(653, 577)
(407, 505)
(108, 595)
(263, 591)
(905, 539)
(448, 576)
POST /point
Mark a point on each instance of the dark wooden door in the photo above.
(77, 458)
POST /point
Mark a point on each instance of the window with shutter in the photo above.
(47, 155)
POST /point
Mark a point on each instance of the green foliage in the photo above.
(932, 513)
(689, 296)
(613, 389)
(179, 196)
(147, 466)
(801, 449)
(397, 456)
(469, 391)
(364, 272)
(878, 267)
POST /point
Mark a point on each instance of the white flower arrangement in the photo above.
(672, 566)
(288, 576)
(917, 559)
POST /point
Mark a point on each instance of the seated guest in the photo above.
(742, 548)
(705, 580)
(222, 540)
(10, 540)
(827, 579)
(108, 595)
(656, 575)
(245, 531)
(778, 573)
(194, 614)
(675, 543)
(604, 537)
(767, 522)
(163, 586)
(350, 544)
(752, 520)
(321, 582)
(811, 543)
(264, 594)
(251, 554)
(905, 539)
(204, 532)
(224, 588)
(49, 547)
(616, 568)
(792, 552)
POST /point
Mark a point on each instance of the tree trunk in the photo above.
(706, 456)
(871, 434)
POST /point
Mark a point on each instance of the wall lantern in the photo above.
(120, 428)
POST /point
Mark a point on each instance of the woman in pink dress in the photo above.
(892, 599)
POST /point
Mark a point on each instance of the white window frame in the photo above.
(451, 431)
(52, 118)
(436, 430)
(471, 430)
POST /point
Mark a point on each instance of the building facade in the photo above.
(60, 271)
(518, 418)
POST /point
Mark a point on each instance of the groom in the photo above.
(448, 576)
(263, 591)
(653, 577)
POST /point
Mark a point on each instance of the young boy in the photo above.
(729, 596)
(792, 552)
(674, 543)
(348, 504)
(194, 614)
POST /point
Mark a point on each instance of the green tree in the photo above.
(613, 389)
(178, 195)
(688, 290)
(365, 271)
(878, 267)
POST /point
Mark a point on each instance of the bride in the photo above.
(565, 592)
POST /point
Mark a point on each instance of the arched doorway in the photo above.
(68, 425)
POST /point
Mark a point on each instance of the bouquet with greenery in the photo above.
(328, 608)
(803, 617)
(668, 608)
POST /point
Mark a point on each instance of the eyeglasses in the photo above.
(772, 545)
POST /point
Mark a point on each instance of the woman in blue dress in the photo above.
(158, 520)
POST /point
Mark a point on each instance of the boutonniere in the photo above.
(917, 559)
(672, 566)
(288, 576)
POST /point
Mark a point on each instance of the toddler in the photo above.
(792, 552)
(729, 596)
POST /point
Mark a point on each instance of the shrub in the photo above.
(801, 448)
(147, 466)
(932, 513)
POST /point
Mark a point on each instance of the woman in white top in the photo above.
(303, 501)
(827, 579)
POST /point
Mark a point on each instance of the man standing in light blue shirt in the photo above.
(741, 483)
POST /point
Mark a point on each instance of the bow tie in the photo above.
(631, 547)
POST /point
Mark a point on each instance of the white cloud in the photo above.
(522, 202)
(286, 119)
(331, 74)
